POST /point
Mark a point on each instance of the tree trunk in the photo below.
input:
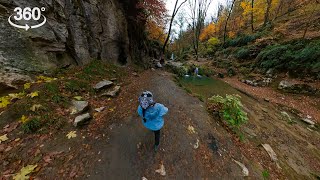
(266, 15)
(174, 13)
(252, 29)
(310, 20)
(226, 24)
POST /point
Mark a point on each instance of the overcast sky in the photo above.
(212, 11)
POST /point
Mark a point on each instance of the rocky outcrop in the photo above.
(290, 87)
(75, 33)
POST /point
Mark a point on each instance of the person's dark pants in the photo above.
(157, 137)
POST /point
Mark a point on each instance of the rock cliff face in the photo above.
(76, 32)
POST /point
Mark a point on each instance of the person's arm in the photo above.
(162, 110)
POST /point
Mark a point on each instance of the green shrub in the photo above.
(231, 109)
(213, 42)
(242, 53)
(297, 57)
(242, 40)
(209, 47)
(31, 125)
(205, 71)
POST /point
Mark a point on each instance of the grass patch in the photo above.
(200, 97)
(76, 86)
(31, 125)
(265, 174)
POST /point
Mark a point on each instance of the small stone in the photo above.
(79, 106)
(245, 170)
(135, 74)
(112, 93)
(113, 79)
(100, 109)
(103, 84)
(308, 121)
(159, 65)
(79, 120)
(284, 84)
(267, 99)
(271, 153)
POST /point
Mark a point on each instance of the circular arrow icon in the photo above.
(28, 14)
(27, 27)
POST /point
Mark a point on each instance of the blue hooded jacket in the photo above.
(154, 116)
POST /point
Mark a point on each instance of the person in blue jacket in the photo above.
(152, 115)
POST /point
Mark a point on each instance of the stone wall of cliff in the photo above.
(76, 32)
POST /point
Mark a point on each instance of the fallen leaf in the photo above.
(27, 85)
(33, 94)
(24, 172)
(79, 98)
(24, 119)
(196, 146)
(47, 159)
(71, 134)
(4, 101)
(36, 107)
(161, 171)
(3, 138)
(191, 129)
(8, 149)
(16, 95)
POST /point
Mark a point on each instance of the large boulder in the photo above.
(298, 88)
(10, 80)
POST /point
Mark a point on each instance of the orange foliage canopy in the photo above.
(155, 31)
(208, 32)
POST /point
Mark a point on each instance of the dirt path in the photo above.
(115, 145)
(129, 154)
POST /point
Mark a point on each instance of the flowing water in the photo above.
(208, 87)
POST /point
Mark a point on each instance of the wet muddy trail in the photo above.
(127, 152)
